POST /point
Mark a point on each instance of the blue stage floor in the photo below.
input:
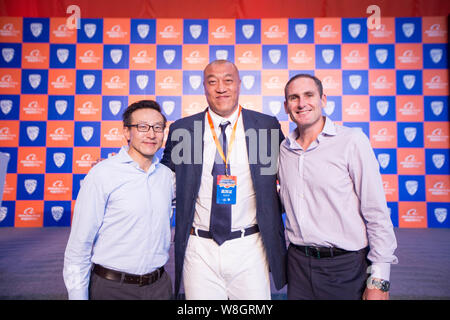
(31, 262)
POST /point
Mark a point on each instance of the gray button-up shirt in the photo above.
(333, 195)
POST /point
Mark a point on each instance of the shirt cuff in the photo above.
(78, 294)
(380, 270)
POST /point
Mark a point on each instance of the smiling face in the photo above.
(303, 103)
(222, 83)
(143, 145)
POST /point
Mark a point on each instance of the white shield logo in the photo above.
(34, 80)
(195, 81)
(248, 30)
(87, 133)
(90, 29)
(437, 107)
(142, 81)
(382, 107)
(381, 55)
(440, 214)
(62, 54)
(408, 29)
(355, 81)
(328, 55)
(6, 106)
(59, 158)
(274, 55)
(36, 29)
(354, 29)
(301, 29)
(88, 80)
(116, 55)
(61, 106)
(438, 160)
(436, 55)
(143, 30)
(383, 159)
(409, 80)
(248, 81)
(3, 213)
(114, 106)
(169, 55)
(57, 212)
(195, 30)
(8, 54)
(168, 107)
(329, 109)
(30, 185)
(410, 133)
(222, 54)
(411, 186)
(275, 107)
(32, 132)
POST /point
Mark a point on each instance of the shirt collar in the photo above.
(124, 157)
(329, 129)
(217, 120)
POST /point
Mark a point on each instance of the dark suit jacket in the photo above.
(188, 176)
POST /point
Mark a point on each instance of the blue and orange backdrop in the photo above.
(68, 69)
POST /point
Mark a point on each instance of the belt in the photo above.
(118, 276)
(233, 235)
(322, 252)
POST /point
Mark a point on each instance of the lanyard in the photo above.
(216, 140)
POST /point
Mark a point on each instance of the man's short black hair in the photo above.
(305, 75)
(143, 104)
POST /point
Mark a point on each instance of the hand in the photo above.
(96, 161)
(375, 294)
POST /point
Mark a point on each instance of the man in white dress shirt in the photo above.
(229, 233)
(337, 219)
(120, 236)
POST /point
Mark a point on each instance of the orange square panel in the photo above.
(169, 31)
(327, 30)
(274, 31)
(35, 55)
(29, 214)
(248, 57)
(412, 214)
(301, 56)
(222, 31)
(60, 33)
(116, 31)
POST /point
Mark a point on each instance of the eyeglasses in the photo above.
(143, 127)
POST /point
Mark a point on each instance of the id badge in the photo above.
(226, 189)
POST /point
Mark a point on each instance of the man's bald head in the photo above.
(220, 62)
(222, 84)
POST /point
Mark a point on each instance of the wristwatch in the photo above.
(379, 284)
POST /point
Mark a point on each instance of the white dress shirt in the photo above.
(244, 211)
(333, 195)
(121, 221)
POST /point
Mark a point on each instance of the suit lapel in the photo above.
(251, 123)
(195, 138)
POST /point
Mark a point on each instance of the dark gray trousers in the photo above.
(103, 289)
(336, 278)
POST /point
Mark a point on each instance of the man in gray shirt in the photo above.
(337, 219)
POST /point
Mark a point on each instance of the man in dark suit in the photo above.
(229, 232)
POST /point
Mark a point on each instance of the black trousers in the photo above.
(336, 278)
(103, 289)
